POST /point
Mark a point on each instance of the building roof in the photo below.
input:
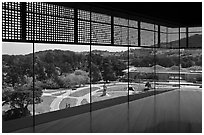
(159, 69)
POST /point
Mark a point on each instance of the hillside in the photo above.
(195, 41)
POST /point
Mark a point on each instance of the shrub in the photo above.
(49, 84)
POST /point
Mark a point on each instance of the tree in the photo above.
(95, 73)
(19, 97)
(107, 71)
(82, 77)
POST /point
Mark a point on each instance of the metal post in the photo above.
(75, 25)
(23, 20)
(33, 19)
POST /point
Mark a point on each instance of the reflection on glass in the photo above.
(163, 29)
(147, 26)
(141, 76)
(173, 30)
(167, 69)
(195, 40)
(173, 40)
(17, 81)
(183, 39)
(147, 38)
(133, 36)
(191, 67)
(195, 29)
(107, 72)
(63, 74)
(163, 40)
(141, 68)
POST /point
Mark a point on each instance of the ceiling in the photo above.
(172, 14)
(181, 14)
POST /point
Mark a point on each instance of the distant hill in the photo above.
(195, 41)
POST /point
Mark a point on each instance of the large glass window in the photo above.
(107, 72)
(149, 34)
(183, 38)
(69, 75)
(173, 38)
(125, 32)
(141, 83)
(163, 37)
(195, 37)
(17, 81)
(63, 74)
(167, 69)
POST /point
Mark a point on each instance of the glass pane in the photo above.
(120, 21)
(167, 69)
(147, 38)
(173, 40)
(173, 30)
(120, 35)
(183, 40)
(100, 18)
(141, 76)
(167, 86)
(17, 80)
(163, 40)
(62, 71)
(195, 29)
(101, 33)
(133, 36)
(195, 40)
(163, 29)
(191, 63)
(147, 26)
(183, 30)
(109, 88)
(133, 23)
(107, 66)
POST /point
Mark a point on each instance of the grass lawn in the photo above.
(71, 101)
(83, 92)
(44, 106)
(84, 101)
(58, 94)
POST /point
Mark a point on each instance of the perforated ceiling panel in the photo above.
(83, 26)
(83, 31)
(84, 15)
(45, 22)
(100, 18)
(101, 33)
(11, 22)
(125, 32)
(52, 23)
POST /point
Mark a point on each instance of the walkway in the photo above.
(56, 102)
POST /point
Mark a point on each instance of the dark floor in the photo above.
(174, 111)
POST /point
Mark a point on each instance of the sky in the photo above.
(12, 48)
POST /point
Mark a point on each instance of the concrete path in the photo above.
(56, 102)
